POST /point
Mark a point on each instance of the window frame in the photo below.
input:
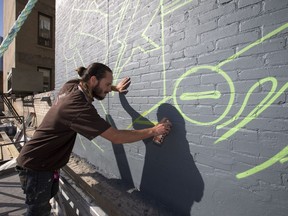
(50, 78)
(51, 33)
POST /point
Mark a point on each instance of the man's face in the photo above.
(102, 87)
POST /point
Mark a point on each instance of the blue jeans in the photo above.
(39, 188)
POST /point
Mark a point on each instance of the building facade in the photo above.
(1, 69)
(217, 70)
(28, 63)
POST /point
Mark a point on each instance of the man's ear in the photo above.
(94, 80)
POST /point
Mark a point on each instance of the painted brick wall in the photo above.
(217, 69)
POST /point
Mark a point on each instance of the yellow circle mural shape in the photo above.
(220, 72)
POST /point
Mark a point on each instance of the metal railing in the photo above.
(11, 109)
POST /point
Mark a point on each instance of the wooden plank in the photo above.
(7, 151)
(5, 154)
(5, 137)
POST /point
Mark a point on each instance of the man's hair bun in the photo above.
(81, 71)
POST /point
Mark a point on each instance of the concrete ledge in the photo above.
(112, 195)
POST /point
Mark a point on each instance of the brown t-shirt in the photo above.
(53, 141)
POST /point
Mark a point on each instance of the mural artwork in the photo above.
(116, 41)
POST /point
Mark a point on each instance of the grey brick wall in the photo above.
(217, 69)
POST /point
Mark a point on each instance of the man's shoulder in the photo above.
(72, 82)
(69, 86)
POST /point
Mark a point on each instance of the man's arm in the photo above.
(129, 136)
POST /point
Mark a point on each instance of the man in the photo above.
(51, 145)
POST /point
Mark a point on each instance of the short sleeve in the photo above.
(89, 124)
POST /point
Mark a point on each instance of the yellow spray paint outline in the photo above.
(231, 86)
(97, 145)
(76, 52)
(154, 45)
(137, 120)
(118, 69)
(256, 111)
(278, 157)
(123, 46)
(250, 91)
(284, 160)
(162, 9)
(249, 118)
(81, 137)
(194, 70)
(200, 95)
(253, 115)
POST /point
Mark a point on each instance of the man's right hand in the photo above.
(163, 127)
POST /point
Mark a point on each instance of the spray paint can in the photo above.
(160, 138)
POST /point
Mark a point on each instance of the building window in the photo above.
(44, 30)
(46, 78)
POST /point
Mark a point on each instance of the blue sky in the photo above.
(1, 18)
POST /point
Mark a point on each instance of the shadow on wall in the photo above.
(169, 174)
(121, 159)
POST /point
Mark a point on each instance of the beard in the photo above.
(97, 93)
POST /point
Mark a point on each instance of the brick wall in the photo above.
(42, 103)
(38, 104)
(217, 69)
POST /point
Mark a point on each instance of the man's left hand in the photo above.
(123, 85)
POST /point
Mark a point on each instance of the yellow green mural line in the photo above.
(284, 160)
(276, 158)
(104, 110)
(246, 121)
(80, 138)
(256, 111)
(137, 120)
(194, 70)
(163, 13)
(265, 165)
(92, 36)
(269, 35)
(200, 95)
(155, 46)
(163, 47)
(263, 105)
(164, 10)
(97, 145)
(171, 4)
(250, 91)
(94, 10)
(167, 8)
(123, 49)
